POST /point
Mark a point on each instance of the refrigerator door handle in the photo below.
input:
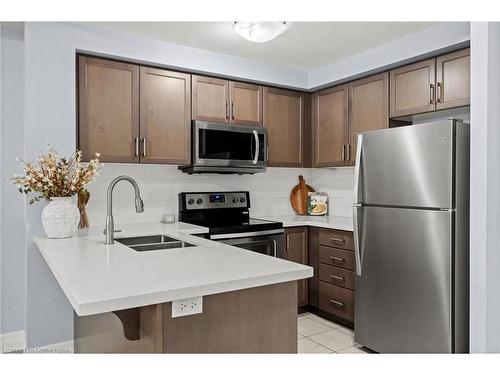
(357, 170)
(357, 239)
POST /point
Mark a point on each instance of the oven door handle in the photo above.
(245, 234)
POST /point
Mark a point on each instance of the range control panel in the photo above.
(200, 201)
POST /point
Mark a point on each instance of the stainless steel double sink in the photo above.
(154, 242)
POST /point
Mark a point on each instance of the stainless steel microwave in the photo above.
(227, 148)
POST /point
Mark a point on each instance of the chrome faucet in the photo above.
(139, 206)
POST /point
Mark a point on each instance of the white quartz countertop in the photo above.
(330, 222)
(98, 278)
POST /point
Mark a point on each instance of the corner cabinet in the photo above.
(108, 110)
(284, 119)
(368, 108)
(430, 85)
(343, 112)
(330, 131)
(296, 250)
(219, 100)
(133, 114)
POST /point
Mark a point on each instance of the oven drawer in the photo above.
(337, 276)
(337, 257)
(336, 300)
(336, 238)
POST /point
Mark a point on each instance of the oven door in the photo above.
(268, 244)
(225, 145)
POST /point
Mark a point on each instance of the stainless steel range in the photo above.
(227, 216)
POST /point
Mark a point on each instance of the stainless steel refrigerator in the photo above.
(411, 233)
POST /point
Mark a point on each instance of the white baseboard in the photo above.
(12, 341)
(16, 341)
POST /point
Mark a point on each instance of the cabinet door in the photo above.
(369, 108)
(453, 79)
(246, 103)
(296, 251)
(210, 99)
(284, 120)
(165, 100)
(413, 88)
(330, 127)
(108, 109)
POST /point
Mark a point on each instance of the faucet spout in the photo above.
(139, 206)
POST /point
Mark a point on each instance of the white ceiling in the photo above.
(304, 45)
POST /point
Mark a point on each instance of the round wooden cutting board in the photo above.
(298, 196)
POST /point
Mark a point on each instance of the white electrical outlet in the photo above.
(188, 306)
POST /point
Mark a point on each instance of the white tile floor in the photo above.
(318, 335)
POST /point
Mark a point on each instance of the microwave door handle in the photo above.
(257, 147)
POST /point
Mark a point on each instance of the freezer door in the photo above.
(403, 299)
(408, 166)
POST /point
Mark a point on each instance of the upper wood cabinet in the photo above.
(330, 127)
(246, 103)
(219, 100)
(108, 109)
(128, 122)
(284, 120)
(413, 88)
(210, 99)
(453, 80)
(296, 250)
(343, 112)
(434, 84)
(165, 115)
(368, 108)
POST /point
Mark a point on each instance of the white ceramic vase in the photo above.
(60, 217)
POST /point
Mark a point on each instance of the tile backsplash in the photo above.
(160, 185)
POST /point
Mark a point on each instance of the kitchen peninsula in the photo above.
(122, 298)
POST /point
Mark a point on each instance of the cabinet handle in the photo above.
(232, 110)
(337, 259)
(143, 146)
(336, 239)
(136, 146)
(440, 92)
(431, 94)
(348, 146)
(342, 153)
(227, 110)
(287, 243)
(337, 277)
(338, 303)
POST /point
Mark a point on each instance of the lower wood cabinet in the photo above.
(336, 300)
(332, 257)
(296, 250)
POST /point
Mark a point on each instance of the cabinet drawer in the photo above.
(337, 257)
(336, 238)
(336, 300)
(337, 276)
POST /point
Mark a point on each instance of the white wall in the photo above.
(12, 235)
(161, 184)
(485, 187)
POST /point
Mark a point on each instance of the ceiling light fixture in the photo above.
(259, 32)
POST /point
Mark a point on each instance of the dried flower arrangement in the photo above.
(52, 176)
